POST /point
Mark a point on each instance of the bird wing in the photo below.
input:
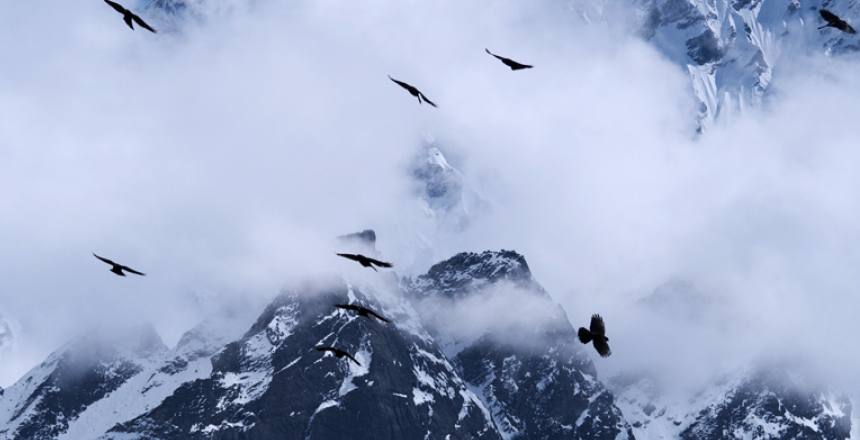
(602, 347)
(128, 269)
(352, 358)
(143, 24)
(494, 55)
(428, 102)
(379, 263)
(829, 16)
(352, 257)
(116, 6)
(849, 29)
(104, 259)
(378, 316)
(597, 327)
(401, 83)
(324, 349)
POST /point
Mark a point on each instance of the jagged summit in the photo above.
(468, 271)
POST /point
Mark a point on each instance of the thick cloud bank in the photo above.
(222, 160)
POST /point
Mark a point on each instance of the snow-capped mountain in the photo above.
(271, 383)
(87, 386)
(534, 377)
(764, 403)
(443, 191)
(733, 48)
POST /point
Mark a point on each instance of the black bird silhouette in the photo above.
(597, 333)
(362, 311)
(366, 261)
(118, 268)
(509, 62)
(835, 22)
(337, 352)
(130, 17)
(413, 91)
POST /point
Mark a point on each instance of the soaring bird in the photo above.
(835, 22)
(362, 311)
(118, 268)
(596, 333)
(337, 352)
(413, 91)
(366, 261)
(129, 17)
(509, 62)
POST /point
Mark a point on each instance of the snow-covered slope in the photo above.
(271, 383)
(733, 48)
(445, 195)
(764, 403)
(82, 373)
(104, 378)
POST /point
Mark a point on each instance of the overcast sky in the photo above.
(221, 160)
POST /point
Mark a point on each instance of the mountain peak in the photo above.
(468, 271)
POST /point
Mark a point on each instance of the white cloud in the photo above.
(223, 159)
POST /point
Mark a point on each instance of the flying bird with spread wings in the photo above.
(129, 17)
(509, 62)
(834, 21)
(362, 311)
(597, 333)
(337, 352)
(413, 91)
(366, 261)
(117, 268)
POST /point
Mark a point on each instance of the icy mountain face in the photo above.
(772, 405)
(546, 388)
(443, 191)
(52, 395)
(769, 403)
(468, 272)
(271, 383)
(731, 48)
(97, 381)
(759, 401)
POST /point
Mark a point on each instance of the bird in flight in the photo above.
(597, 333)
(366, 261)
(118, 268)
(362, 311)
(509, 62)
(835, 22)
(337, 352)
(129, 17)
(413, 91)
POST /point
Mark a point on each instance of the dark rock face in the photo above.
(273, 384)
(704, 48)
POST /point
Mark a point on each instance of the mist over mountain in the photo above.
(685, 168)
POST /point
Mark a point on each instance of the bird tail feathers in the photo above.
(584, 335)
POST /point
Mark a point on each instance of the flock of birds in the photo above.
(595, 334)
